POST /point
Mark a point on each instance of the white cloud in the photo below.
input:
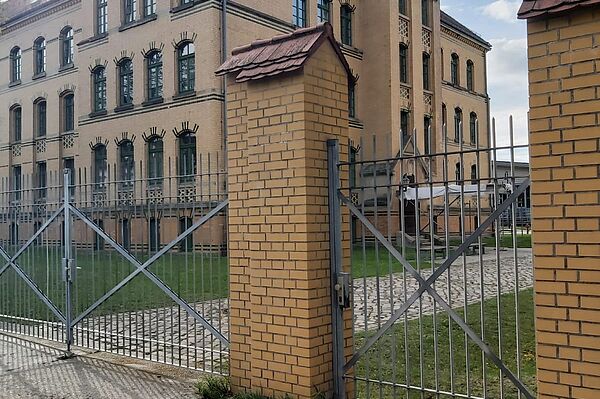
(502, 10)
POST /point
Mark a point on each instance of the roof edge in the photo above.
(537, 9)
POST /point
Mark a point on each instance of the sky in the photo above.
(496, 22)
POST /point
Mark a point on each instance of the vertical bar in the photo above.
(67, 261)
(335, 254)
(447, 239)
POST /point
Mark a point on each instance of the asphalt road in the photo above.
(33, 370)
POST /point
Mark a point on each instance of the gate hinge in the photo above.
(342, 288)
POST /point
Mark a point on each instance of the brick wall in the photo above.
(564, 66)
(280, 305)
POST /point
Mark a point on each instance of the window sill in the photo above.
(140, 22)
(39, 75)
(98, 113)
(184, 95)
(153, 101)
(15, 83)
(66, 67)
(182, 7)
(122, 108)
(93, 39)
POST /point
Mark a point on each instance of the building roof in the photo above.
(452, 23)
(540, 8)
(284, 53)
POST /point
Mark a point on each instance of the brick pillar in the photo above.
(564, 74)
(280, 303)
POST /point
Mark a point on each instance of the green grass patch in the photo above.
(386, 361)
(219, 388)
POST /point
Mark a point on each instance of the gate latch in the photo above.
(69, 269)
(343, 290)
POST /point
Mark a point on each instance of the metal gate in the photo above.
(101, 260)
(438, 284)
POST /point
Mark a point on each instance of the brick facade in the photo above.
(564, 62)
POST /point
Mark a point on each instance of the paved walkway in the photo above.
(31, 370)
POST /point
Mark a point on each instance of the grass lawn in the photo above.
(506, 241)
(386, 360)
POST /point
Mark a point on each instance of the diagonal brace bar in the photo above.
(426, 285)
(143, 268)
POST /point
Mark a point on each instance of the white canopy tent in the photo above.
(440, 191)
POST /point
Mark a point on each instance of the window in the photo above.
(403, 7)
(458, 134)
(68, 112)
(187, 157)
(155, 161)
(184, 2)
(129, 11)
(99, 84)
(126, 233)
(154, 226)
(186, 67)
(126, 164)
(98, 240)
(445, 119)
(69, 164)
(187, 244)
(425, 13)
(352, 99)
(154, 74)
(470, 77)
(427, 135)
(474, 177)
(101, 17)
(426, 73)
(454, 74)
(404, 120)
(125, 82)
(16, 123)
(346, 24)
(15, 65)
(16, 182)
(473, 128)
(149, 7)
(39, 49)
(41, 180)
(14, 234)
(403, 63)
(458, 173)
(299, 13)
(324, 10)
(100, 167)
(66, 46)
(40, 115)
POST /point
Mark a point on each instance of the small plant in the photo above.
(214, 388)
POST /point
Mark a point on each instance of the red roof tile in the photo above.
(280, 54)
(540, 8)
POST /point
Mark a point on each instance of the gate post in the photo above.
(281, 112)
(67, 261)
(565, 157)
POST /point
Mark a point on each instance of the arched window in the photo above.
(404, 126)
(427, 135)
(470, 76)
(454, 73)
(403, 63)
(68, 112)
(324, 10)
(458, 173)
(346, 24)
(40, 117)
(39, 50)
(473, 128)
(352, 99)
(458, 119)
(445, 119)
(99, 85)
(15, 65)
(100, 167)
(126, 164)
(186, 67)
(187, 157)
(474, 177)
(299, 13)
(16, 123)
(426, 72)
(154, 73)
(125, 82)
(155, 161)
(66, 46)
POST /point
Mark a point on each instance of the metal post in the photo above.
(67, 261)
(335, 255)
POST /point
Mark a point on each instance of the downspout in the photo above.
(489, 112)
(224, 78)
